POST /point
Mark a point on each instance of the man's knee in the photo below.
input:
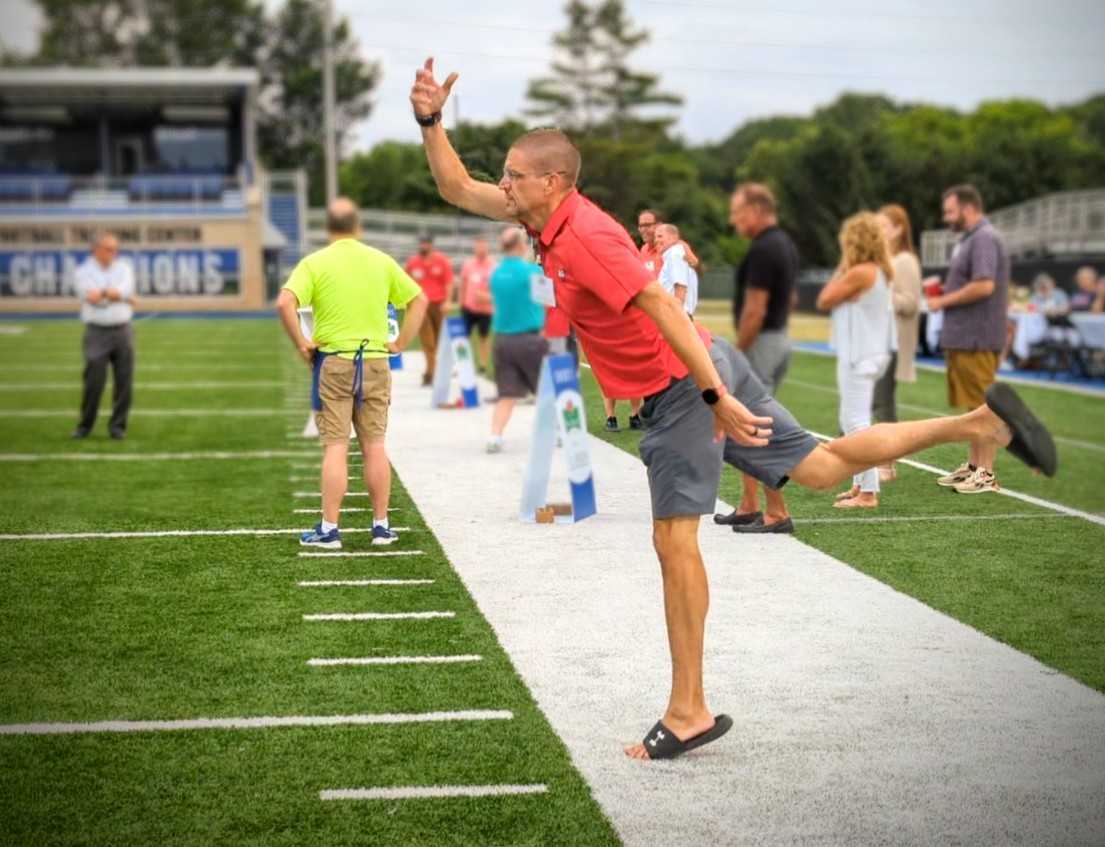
(820, 470)
(674, 537)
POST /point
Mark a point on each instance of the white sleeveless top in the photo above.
(865, 329)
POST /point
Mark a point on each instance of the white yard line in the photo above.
(357, 583)
(378, 616)
(164, 533)
(424, 792)
(309, 494)
(393, 660)
(344, 510)
(148, 413)
(252, 723)
(148, 386)
(382, 554)
(199, 456)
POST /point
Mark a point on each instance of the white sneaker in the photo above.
(979, 482)
(495, 444)
(960, 474)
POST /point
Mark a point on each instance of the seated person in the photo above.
(1048, 298)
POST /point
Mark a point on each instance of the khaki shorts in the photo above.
(970, 373)
(335, 389)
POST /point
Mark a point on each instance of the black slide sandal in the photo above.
(662, 743)
(1031, 443)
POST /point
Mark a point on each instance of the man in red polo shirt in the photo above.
(703, 403)
(434, 272)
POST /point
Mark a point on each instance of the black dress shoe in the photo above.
(118, 434)
(735, 518)
(785, 526)
(79, 432)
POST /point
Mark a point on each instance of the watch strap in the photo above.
(427, 120)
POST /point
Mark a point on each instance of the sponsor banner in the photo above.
(184, 272)
(559, 411)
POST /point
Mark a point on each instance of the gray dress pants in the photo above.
(104, 345)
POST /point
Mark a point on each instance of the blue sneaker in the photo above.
(383, 535)
(317, 538)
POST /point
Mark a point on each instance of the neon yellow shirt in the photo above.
(348, 286)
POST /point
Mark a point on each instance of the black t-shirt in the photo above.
(772, 264)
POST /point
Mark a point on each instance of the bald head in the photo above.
(342, 217)
(512, 240)
(550, 151)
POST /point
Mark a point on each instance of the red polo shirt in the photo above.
(653, 259)
(596, 271)
(434, 273)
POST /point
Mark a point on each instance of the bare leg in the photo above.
(485, 351)
(635, 405)
(608, 406)
(983, 455)
(831, 463)
(750, 495)
(686, 601)
(334, 478)
(501, 416)
(377, 477)
(776, 509)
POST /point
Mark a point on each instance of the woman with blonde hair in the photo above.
(905, 295)
(858, 296)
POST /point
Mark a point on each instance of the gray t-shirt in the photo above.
(980, 254)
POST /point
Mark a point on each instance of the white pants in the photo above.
(856, 384)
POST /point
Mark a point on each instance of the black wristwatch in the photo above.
(712, 395)
(428, 120)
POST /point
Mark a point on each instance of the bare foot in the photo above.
(993, 428)
(682, 729)
(861, 501)
(847, 495)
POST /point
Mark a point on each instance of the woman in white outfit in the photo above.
(858, 296)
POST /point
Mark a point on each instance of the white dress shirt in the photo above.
(676, 271)
(90, 276)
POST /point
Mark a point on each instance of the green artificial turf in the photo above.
(1036, 583)
(171, 628)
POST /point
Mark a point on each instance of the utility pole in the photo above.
(330, 144)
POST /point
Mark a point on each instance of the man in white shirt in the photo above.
(676, 274)
(105, 284)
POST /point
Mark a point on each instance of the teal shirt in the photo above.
(515, 311)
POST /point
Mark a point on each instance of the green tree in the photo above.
(593, 87)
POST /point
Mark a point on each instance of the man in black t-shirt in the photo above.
(765, 286)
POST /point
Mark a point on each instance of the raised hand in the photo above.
(732, 419)
(427, 95)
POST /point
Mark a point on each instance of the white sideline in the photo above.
(344, 510)
(378, 616)
(356, 583)
(939, 413)
(1014, 516)
(1007, 492)
(394, 660)
(421, 792)
(252, 723)
(862, 716)
(199, 456)
(164, 533)
(360, 555)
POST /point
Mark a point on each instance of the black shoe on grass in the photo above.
(635, 422)
(735, 518)
(783, 527)
(612, 425)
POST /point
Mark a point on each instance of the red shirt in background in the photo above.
(475, 276)
(434, 273)
(596, 271)
(653, 259)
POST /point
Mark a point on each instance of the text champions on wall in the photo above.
(157, 273)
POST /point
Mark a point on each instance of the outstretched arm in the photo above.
(453, 181)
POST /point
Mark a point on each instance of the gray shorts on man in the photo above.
(679, 450)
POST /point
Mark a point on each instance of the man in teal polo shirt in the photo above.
(348, 286)
(517, 321)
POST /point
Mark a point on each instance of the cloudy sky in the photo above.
(731, 60)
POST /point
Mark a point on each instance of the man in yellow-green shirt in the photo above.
(348, 286)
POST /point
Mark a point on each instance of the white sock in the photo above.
(377, 522)
(327, 526)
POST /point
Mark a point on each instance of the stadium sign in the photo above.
(165, 272)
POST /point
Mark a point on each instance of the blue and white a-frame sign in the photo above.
(559, 410)
(453, 350)
(395, 361)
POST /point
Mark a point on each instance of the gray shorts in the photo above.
(769, 357)
(518, 363)
(678, 448)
